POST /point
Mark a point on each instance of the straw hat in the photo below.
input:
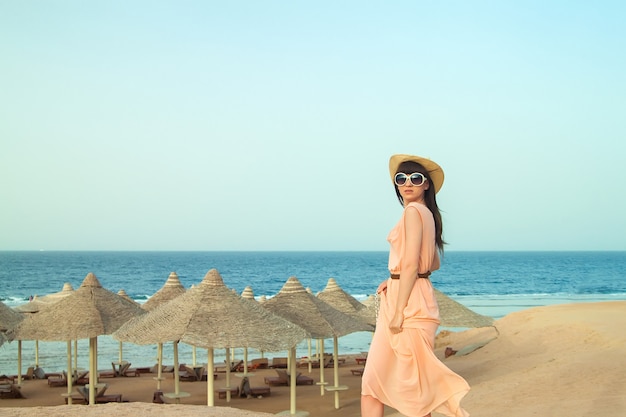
(434, 170)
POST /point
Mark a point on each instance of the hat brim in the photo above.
(434, 170)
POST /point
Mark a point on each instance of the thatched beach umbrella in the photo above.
(320, 319)
(37, 303)
(170, 290)
(87, 312)
(454, 314)
(248, 294)
(34, 306)
(334, 295)
(9, 318)
(125, 295)
(211, 316)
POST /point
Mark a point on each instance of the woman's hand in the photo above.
(395, 324)
(382, 287)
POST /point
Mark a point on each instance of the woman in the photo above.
(402, 370)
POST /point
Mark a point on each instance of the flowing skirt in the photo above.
(402, 370)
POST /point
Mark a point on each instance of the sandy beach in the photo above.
(563, 360)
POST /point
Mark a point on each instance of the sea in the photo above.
(490, 283)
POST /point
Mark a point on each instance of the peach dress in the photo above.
(402, 370)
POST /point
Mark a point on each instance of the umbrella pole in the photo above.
(310, 358)
(69, 372)
(176, 373)
(19, 362)
(36, 354)
(176, 395)
(75, 354)
(159, 365)
(95, 373)
(209, 379)
(336, 370)
(92, 370)
(293, 377)
(228, 362)
(320, 354)
(120, 355)
(245, 361)
(193, 356)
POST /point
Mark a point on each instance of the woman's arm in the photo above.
(410, 262)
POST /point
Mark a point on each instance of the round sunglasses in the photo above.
(415, 178)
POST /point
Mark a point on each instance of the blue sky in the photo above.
(199, 125)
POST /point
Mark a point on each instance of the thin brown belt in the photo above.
(424, 275)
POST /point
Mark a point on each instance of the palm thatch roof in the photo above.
(87, 312)
(248, 293)
(334, 295)
(37, 303)
(9, 318)
(170, 290)
(210, 315)
(125, 295)
(454, 314)
(319, 318)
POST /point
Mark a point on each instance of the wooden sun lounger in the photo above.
(59, 380)
(284, 379)
(221, 392)
(10, 391)
(81, 396)
(279, 363)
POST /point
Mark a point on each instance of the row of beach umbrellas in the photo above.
(210, 316)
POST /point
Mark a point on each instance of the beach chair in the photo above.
(101, 397)
(357, 371)
(10, 391)
(221, 392)
(315, 363)
(126, 370)
(7, 379)
(340, 361)
(30, 373)
(205, 374)
(82, 378)
(235, 366)
(187, 374)
(328, 360)
(280, 362)
(259, 363)
(59, 380)
(245, 390)
(283, 378)
(303, 379)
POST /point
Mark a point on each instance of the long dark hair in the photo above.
(410, 167)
